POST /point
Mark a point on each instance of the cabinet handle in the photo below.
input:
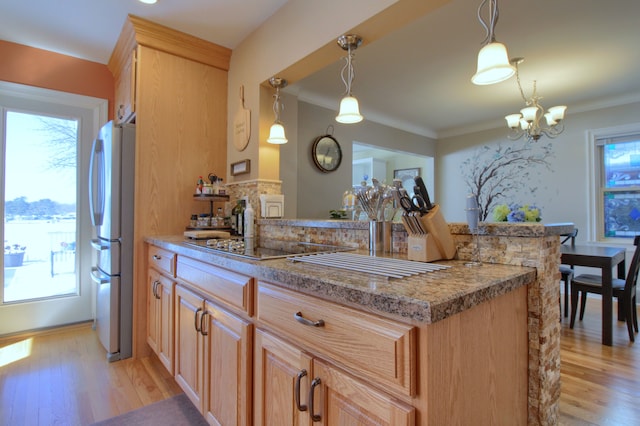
(156, 283)
(156, 257)
(204, 314)
(301, 374)
(314, 417)
(121, 112)
(195, 319)
(302, 320)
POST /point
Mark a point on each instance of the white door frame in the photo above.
(51, 312)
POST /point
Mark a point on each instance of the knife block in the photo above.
(422, 248)
(437, 244)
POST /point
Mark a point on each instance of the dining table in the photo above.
(605, 258)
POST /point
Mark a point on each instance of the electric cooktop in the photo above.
(270, 249)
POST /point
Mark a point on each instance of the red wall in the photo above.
(42, 68)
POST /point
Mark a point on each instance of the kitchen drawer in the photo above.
(228, 287)
(162, 260)
(381, 349)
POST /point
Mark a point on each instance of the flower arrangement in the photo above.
(516, 213)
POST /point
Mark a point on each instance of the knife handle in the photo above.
(423, 191)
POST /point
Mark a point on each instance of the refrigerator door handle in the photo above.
(96, 182)
(96, 244)
(99, 277)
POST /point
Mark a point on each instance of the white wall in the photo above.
(563, 193)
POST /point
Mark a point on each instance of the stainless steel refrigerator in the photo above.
(111, 190)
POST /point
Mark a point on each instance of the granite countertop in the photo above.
(424, 298)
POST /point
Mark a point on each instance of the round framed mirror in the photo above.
(326, 153)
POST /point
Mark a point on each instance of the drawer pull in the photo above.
(157, 257)
(314, 417)
(302, 320)
(301, 374)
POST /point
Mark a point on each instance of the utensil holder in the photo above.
(379, 237)
(436, 243)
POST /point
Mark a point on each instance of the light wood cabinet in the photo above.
(213, 359)
(125, 89)
(160, 286)
(177, 87)
(336, 398)
(281, 382)
(334, 368)
(258, 353)
(160, 318)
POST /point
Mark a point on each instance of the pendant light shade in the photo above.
(493, 60)
(493, 65)
(276, 134)
(349, 111)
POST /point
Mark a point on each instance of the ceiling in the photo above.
(583, 54)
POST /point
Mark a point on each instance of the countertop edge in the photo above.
(365, 291)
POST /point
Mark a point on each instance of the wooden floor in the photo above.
(600, 385)
(64, 379)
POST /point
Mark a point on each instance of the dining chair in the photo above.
(566, 271)
(623, 290)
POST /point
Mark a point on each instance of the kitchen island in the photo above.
(452, 346)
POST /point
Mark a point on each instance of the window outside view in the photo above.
(40, 207)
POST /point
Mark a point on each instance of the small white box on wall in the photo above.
(271, 206)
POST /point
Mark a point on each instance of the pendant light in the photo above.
(276, 133)
(493, 60)
(349, 108)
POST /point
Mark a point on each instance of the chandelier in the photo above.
(529, 121)
(493, 60)
(349, 108)
(276, 133)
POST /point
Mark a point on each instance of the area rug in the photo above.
(175, 411)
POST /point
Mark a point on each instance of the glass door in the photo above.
(46, 139)
(40, 207)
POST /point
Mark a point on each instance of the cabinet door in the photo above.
(336, 399)
(228, 344)
(189, 344)
(165, 321)
(125, 90)
(153, 310)
(281, 383)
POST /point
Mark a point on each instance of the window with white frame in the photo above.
(617, 183)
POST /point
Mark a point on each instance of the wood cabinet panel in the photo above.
(125, 90)
(228, 361)
(162, 260)
(228, 287)
(160, 318)
(339, 399)
(281, 382)
(180, 133)
(380, 349)
(189, 344)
